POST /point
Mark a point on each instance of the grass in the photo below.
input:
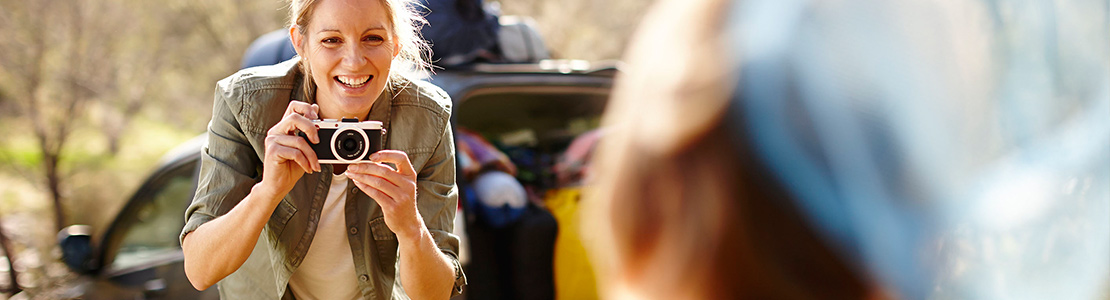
(95, 182)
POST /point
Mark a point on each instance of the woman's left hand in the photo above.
(394, 190)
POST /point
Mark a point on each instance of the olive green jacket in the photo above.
(416, 116)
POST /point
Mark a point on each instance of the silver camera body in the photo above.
(346, 141)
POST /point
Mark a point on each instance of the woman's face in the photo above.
(349, 47)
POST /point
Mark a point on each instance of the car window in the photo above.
(532, 126)
(150, 231)
(545, 116)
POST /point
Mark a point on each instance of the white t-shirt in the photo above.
(328, 269)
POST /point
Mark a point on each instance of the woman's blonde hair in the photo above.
(405, 23)
(681, 209)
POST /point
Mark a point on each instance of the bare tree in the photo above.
(58, 63)
(75, 71)
(25, 65)
(135, 68)
(5, 245)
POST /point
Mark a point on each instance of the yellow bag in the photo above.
(574, 276)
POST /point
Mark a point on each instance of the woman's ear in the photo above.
(298, 40)
(396, 47)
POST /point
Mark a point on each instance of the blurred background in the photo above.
(92, 93)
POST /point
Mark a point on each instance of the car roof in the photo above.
(187, 151)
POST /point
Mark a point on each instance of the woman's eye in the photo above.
(330, 41)
(373, 38)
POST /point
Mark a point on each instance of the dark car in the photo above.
(139, 255)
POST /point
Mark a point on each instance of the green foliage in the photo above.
(21, 156)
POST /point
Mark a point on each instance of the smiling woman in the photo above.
(348, 60)
(265, 205)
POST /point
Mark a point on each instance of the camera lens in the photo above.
(349, 144)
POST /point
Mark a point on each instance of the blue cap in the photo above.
(956, 149)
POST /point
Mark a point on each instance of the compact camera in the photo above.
(346, 141)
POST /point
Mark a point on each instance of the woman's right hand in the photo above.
(288, 156)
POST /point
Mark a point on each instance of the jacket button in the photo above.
(354, 230)
(363, 277)
(354, 190)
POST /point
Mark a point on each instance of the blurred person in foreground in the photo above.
(785, 149)
(278, 224)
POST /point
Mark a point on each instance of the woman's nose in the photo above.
(354, 56)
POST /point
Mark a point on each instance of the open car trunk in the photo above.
(532, 121)
(533, 126)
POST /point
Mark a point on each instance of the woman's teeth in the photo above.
(354, 82)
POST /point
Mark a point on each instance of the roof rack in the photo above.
(565, 66)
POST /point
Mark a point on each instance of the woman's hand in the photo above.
(394, 190)
(289, 156)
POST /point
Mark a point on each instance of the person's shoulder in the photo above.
(257, 96)
(246, 81)
(421, 93)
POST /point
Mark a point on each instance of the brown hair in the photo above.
(405, 23)
(681, 208)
